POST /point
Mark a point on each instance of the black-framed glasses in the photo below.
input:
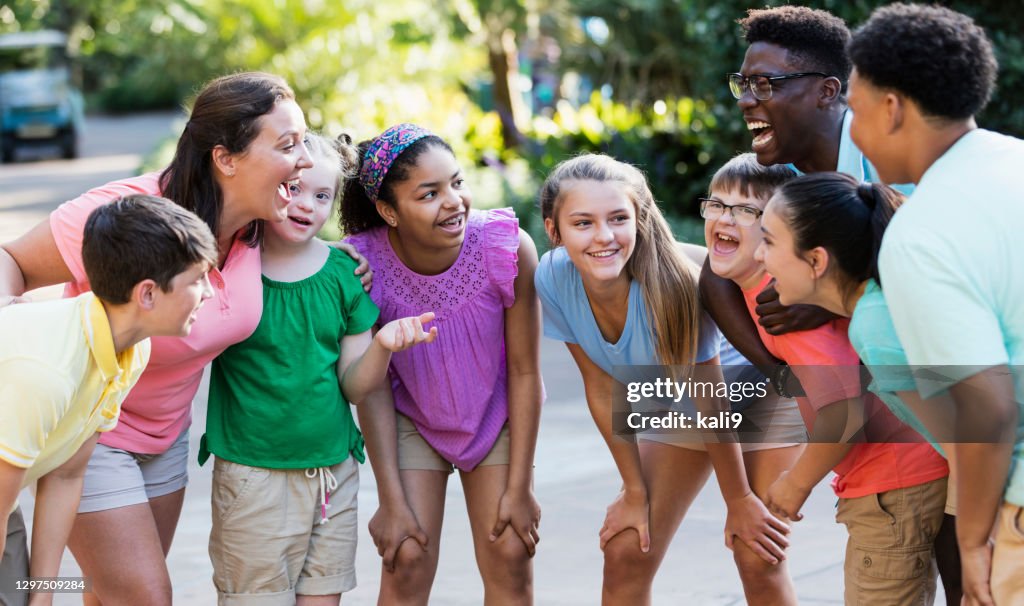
(744, 216)
(760, 85)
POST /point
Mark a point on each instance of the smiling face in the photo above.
(311, 201)
(794, 276)
(596, 223)
(731, 246)
(432, 204)
(778, 124)
(259, 177)
(176, 309)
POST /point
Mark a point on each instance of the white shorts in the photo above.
(118, 478)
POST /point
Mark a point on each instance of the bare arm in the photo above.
(724, 301)
(747, 517)
(57, 497)
(830, 441)
(32, 261)
(364, 358)
(631, 508)
(518, 506)
(987, 417)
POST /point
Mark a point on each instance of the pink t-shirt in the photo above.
(159, 408)
(829, 371)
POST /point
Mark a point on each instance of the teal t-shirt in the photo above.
(874, 337)
(275, 400)
(952, 267)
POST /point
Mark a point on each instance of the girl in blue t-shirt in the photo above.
(620, 291)
(822, 237)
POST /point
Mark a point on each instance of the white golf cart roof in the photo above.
(46, 37)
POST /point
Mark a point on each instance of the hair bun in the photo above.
(866, 192)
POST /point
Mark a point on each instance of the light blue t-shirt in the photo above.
(569, 318)
(874, 337)
(952, 265)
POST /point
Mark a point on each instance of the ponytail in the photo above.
(845, 217)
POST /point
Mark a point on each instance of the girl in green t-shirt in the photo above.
(285, 478)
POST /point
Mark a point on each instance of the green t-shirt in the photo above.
(275, 400)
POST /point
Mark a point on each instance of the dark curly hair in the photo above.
(945, 61)
(814, 37)
(358, 213)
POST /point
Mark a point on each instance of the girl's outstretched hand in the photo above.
(390, 528)
(403, 333)
(628, 511)
(750, 521)
(520, 510)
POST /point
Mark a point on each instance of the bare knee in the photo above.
(155, 594)
(414, 571)
(625, 565)
(507, 565)
(771, 582)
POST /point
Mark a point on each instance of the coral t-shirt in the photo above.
(828, 368)
(159, 408)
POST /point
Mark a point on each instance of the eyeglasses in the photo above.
(760, 85)
(744, 216)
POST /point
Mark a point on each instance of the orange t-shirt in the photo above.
(829, 371)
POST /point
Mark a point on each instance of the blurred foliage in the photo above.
(642, 80)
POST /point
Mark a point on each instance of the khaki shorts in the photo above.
(14, 561)
(118, 478)
(415, 453)
(1008, 557)
(778, 424)
(268, 544)
(890, 555)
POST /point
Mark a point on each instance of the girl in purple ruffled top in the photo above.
(470, 400)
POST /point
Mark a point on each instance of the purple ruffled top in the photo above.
(455, 390)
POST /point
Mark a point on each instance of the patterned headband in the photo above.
(382, 153)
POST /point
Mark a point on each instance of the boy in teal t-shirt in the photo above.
(951, 262)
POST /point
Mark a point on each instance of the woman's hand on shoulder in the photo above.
(750, 521)
(403, 333)
(628, 511)
(363, 266)
(519, 510)
(390, 527)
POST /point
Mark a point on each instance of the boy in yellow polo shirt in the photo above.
(66, 366)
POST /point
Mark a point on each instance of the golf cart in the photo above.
(39, 103)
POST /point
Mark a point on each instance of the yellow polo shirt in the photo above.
(60, 380)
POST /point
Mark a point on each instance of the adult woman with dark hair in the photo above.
(241, 147)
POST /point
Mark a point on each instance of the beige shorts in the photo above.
(890, 557)
(1008, 557)
(778, 424)
(268, 544)
(415, 453)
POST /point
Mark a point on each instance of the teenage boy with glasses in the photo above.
(951, 261)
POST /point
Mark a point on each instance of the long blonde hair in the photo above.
(668, 280)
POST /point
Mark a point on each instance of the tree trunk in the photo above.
(502, 55)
